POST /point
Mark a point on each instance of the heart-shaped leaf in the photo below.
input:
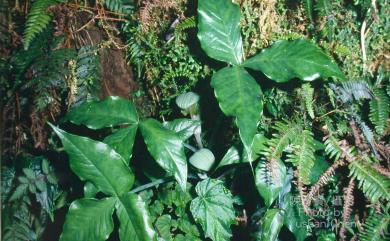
(135, 223)
(98, 114)
(239, 96)
(167, 149)
(300, 58)
(213, 209)
(89, 219)
(219, 30)
(97, 162)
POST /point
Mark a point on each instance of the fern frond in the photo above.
(119, 6)
(37, 19)
(308, 94)
(379, 110)
(308, 5)
(332, 147)
(324, 7)
(302, 156)
(376, 228)
(286, 132)
(358, 89)
(186, 24)
(374, 185)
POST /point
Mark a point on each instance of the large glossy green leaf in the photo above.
(122, 141)
(98, 114)
(219, 30)
(270, 177)
(271, 224)
(97, 162)
(296, 220)
(184, 127)
(135, 223)
(239, 96)
(167, 149)
(300, 58)
(89, 219)
(236, 154)
(213, 209)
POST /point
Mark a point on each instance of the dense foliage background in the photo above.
(282, 155)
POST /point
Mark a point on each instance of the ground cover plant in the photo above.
(195, 120)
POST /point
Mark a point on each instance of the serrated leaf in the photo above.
(135, 224)
(89, 219)
(105, 113)
(239, 96)
(122, 141)
(97, 162)
(167, 149)
(163, 225)
(270, 177)
(219, 30)
(271, 224)
(213, 209)
(185, 128)
(286, 60)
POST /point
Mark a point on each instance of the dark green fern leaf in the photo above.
(332, 148)
(186, 24)
(308, 4)
(37, 19)
(374, 185)
(286, 133)
(302, 156)
(379, 110)
(376, 228)
(308, 95)
(119, 6)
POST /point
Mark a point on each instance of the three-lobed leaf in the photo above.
(103, 113)
(219, 30)
(89, 219)
(96, 162)
(122, 141)
(167, 149)
(213, 209)
(239, 96)
(286, 60)
(135, 223)
(184, 127)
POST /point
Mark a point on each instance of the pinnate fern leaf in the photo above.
(379, 110)
(37, 19)
(286, 132)
(374, 185)
(308, 94)
(376, 228)
(303, 155)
